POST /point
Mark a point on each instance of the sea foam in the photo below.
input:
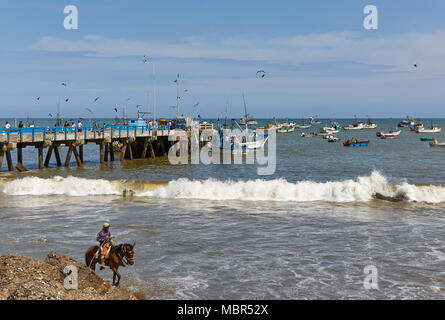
(361, 189)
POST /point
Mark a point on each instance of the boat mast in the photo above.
(227, 109)
(245, 109)
(154, 93)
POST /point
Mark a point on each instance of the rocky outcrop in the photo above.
(27, 278)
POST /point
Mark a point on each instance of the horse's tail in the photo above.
(89, 256)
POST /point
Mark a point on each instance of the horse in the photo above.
(119, 255)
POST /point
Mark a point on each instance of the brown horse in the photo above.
(120, 255)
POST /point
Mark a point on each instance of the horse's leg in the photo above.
(118, 279)
(115, 273)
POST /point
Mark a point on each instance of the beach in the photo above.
(307, 231)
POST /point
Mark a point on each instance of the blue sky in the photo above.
(318, 58)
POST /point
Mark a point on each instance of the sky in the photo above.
(318, 58)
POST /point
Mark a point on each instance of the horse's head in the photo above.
(128, 251)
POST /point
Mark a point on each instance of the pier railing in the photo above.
(37, 134)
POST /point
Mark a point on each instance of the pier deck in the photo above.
(130, 141)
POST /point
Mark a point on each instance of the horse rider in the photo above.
(105, 242)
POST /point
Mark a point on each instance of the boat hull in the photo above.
(356, 144)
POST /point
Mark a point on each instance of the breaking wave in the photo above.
(362, 189)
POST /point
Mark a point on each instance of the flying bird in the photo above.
(196, 104)
(262, 73)
(50, 115)
(415, 65)
(38, 98)
(115, 109)
(64, 84)
(186, 90)
(67, 99)
(129, 99)
(96, 99)
(89, 110)
(144, 59)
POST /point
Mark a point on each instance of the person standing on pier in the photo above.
(105, 242)
(7, 125)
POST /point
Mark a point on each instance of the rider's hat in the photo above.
(106, 225)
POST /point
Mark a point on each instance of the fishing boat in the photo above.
(324, 134)
(238, 143)
(406, 123)
(329, 136)
(334, 139)
(314, 120)
(415, 126)
(434, 129)
(357, 125)
(246, 120)
(355, 143)
(388, 135)
(308, 135)
(436, 144)
(270, 126)
(285, 129)
(334, 128)
(370, 125)
(303, 125)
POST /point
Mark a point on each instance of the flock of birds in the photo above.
(260, 73)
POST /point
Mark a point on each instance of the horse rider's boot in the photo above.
(102, 263)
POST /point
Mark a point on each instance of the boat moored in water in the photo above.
(434, 129)
(358, 125)
(388, 135)
(436, 144)
(355, 143)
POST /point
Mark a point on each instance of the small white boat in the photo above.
(330, 136)
(285, 129)
(388, 135)
(355, 126)
(308, 135)
(334, 139)
(370, 125)
(434, 129)
(437, 144)
(314, 120)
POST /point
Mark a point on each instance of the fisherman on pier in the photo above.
(105, 242)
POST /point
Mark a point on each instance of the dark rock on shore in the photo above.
(396, 198)
(24, 278)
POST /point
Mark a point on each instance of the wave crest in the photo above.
(362, 189)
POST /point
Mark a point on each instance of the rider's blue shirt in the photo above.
(102, 234)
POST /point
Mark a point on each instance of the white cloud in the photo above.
(399, 52)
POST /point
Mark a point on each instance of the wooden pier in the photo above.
(129, 142)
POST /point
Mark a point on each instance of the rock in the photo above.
(27, 278)
(397, 198)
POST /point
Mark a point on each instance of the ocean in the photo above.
(311, 230)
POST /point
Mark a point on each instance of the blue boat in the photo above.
(349, 143)
(427, 139)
